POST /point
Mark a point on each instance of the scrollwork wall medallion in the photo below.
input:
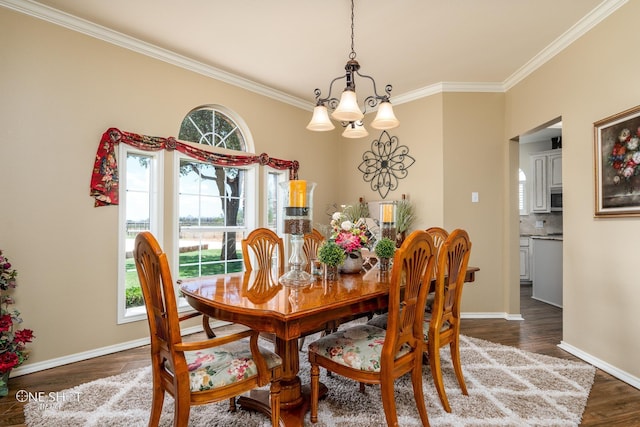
(385, 164)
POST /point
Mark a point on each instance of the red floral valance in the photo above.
(104, 179)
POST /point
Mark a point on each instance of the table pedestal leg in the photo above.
(294, 399)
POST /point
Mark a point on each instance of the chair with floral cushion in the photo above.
(371, 355)
(442, 324)
(199, 372)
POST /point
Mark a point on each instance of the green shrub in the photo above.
(331, 254)
(385, 248)
(133, 297)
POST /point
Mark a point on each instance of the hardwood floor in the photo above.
(611, 402)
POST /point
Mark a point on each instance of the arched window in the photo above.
(212, 210)
(207, 210)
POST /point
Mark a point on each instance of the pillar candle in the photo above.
(298, 193)
(387, 213)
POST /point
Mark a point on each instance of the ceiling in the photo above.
(295, 46)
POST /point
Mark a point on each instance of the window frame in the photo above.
(250, 215)
(281, 176)
(522, 193)
(156, 219)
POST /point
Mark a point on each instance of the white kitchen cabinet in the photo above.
(525, 259)
(555, 169)
(546, 171)
(546, 270)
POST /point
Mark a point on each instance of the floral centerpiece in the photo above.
(12, 341)
(625, 156)
(351, 237)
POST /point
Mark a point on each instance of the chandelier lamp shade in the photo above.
(347, 110)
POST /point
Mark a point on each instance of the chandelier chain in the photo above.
(352, 55)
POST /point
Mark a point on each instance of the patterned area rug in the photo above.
(507, 387)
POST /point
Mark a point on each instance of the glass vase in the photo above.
(298, 213)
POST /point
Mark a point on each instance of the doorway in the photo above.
(540, 204)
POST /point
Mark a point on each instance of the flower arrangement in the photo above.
(625, 155)
(12, 342)
(349, 236)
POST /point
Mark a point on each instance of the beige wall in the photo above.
(474, 161)
(58, 97)
(592, 79)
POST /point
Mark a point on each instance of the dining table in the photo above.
(258, 300)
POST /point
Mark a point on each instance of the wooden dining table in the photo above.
(260, 302)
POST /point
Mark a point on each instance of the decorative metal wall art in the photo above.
(385, 164)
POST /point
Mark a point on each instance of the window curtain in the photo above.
(104, 178)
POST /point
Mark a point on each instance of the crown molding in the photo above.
(46, 13)
(597, 15)
(91, 29)
(443, 87)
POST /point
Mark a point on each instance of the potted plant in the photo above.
(405, 216)
(332, 256)
(385, 249)
(12, 341)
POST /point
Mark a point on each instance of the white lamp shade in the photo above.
(320, 120)
(348, 109)
(385, 119)
(355, 130)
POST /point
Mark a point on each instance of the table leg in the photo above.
(294, 399)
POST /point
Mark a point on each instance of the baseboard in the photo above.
(602, 365)
(85, 355)
(506, 316)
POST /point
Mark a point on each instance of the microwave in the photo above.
(556, 200)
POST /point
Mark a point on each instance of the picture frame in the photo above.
(617, 164)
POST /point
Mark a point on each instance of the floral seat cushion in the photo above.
(425, 326)
(219, 366)
(359, 347)
(381, 322)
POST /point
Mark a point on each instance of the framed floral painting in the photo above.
(617, 164)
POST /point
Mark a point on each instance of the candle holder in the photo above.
(297, 222)
(388, 220)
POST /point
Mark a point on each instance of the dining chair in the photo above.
(439, 235)
(442, 324)
(371, 355)
(261, 248)
(196, 372)
(312, 242)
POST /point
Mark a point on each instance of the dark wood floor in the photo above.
(611, 402)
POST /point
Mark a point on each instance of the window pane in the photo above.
(138, 217)
(211, 202)
(210, 127)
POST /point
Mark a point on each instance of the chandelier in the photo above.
(346, 110)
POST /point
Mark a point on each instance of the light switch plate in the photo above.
(539, 224)
(474, 197)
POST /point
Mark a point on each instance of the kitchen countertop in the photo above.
(547, 236)
(550, 236)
